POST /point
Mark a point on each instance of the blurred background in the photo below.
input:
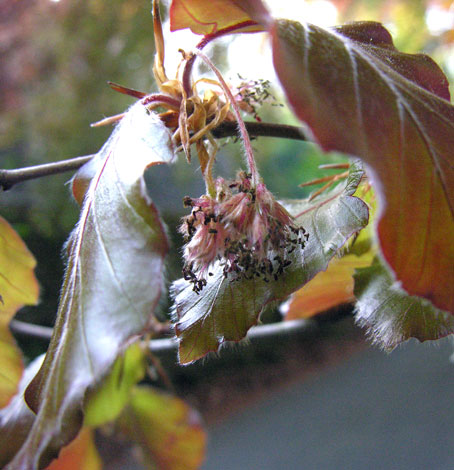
(323, 398)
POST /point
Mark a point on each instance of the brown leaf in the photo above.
(210, 17)
(361, 96)
(390, 315)
(112, 284)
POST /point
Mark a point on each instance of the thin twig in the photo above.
(260, 129)
(8, 178)
(166, 345)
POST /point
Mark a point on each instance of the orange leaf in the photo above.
(328, 288)
(169, 432)
(361, 96)
(18, 287)
(81, 454)
(210, 17)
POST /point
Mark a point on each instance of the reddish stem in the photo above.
(255, 177)
(161, 98)
(187, 72)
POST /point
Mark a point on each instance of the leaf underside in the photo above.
(226, 308)
(361, 96)
(112, 284)
(390, 315)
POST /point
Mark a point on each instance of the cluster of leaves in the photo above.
(359, 95)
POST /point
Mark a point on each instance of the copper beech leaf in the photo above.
(361, 96)
(210, 17)
(390, 315)
(112, 284)
(168, 432)
(227, 307)
(18, 287)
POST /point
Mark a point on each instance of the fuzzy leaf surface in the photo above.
(18, 287)
(226, 308)
(169, 432)
(112, 284)
(390, 315)
(361, 96)
(205, 18)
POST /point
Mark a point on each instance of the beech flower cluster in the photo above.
(244, 228)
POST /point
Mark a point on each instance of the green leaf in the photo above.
(112, 284)
(18, 287)
(390, 315)
(169, 433)
(105, 403)
(361, 96)
(226, 308)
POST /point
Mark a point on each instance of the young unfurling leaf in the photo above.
(112, 284)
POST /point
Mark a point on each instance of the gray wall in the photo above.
(373, 411)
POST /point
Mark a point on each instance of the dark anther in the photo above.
(187, 201)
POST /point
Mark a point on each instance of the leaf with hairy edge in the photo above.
(18, 287)
(205, 18)
(390, 315)
(112, 284)
(169, 433)
(226, 308)
(361, 96)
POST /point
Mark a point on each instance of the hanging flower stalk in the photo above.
(242, 227)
